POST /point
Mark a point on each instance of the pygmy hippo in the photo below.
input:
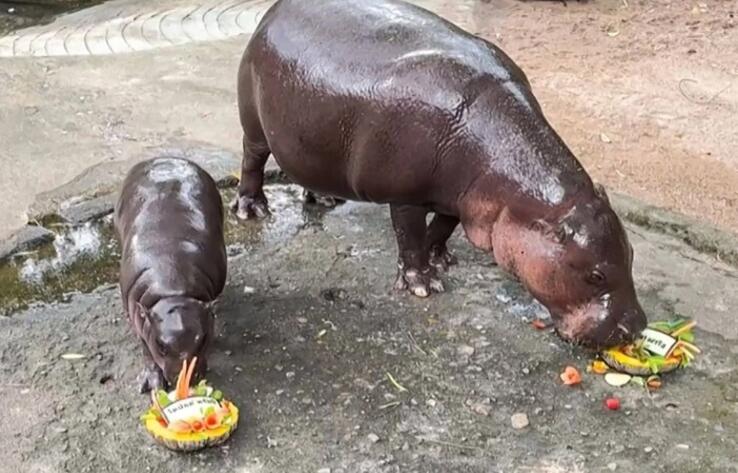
(383, 101)
(169, 219)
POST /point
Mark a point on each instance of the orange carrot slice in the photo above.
(180, 380)
(188, 377)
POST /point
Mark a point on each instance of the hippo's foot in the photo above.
(441, 258)
(151, 378)
(418, 283)
(322, 200)
(248, 208)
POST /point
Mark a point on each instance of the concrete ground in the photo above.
(308, 326)
(308, 331)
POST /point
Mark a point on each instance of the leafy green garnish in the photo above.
(655, 363)
(163, 398)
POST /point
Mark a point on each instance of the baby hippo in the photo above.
(169, 219)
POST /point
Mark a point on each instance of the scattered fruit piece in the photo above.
(653, 383)
(612, 403)
(617, 379)
(598, 367)
(571, 376)
(539, 324)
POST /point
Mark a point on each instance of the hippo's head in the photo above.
(579, 265)
(177, 329)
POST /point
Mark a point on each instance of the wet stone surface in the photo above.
(308, 334)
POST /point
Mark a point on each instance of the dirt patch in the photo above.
(644, 92)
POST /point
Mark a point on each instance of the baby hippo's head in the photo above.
(177, 329)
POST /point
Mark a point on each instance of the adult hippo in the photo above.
(383, 101)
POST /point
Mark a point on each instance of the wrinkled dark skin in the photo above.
(169, 219)
(381, 101)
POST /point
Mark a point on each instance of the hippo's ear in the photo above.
(600, 192)
(555, 232)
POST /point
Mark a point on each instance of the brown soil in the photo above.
(645, 92)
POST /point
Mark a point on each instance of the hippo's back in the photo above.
(169, 219)
(350, 43)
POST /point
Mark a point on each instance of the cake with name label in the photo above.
(190, 418)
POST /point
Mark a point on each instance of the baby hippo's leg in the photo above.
(251, 201)
(151, 376)
(415, 272)
(439, 231)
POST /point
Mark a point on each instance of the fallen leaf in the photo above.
(72, 356)
(571, 376)
(617, 379)
(397, 385)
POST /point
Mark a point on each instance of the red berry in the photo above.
(612, 403)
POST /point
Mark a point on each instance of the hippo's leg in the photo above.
(151, 376)
(251, 201)
(439, 231)
(322, 200)
(415, 272)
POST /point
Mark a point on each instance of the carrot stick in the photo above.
(683, 328)
(190, 372)
(180, 379)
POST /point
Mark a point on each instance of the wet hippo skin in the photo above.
(169, 219)
(382, 101)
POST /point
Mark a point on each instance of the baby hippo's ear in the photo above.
(600, 192)
(556, 232)
(141, 311)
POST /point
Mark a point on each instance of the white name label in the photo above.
(658, 343)
(187, 409)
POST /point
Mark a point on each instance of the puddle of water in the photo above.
(82, 258)
(16, 15)
(78, 260)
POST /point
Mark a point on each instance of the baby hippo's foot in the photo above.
(151, 378)
(419, 283)
(441, 258)
(322, 200)
(247, 208)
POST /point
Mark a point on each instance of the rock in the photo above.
(324, 470)
(76, 212)
(27, 238)
(481, 408)
(612, 466)
(373, 438)
(519, 420)
(465, 350)
(648, 449)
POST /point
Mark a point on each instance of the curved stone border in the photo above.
(105, 30)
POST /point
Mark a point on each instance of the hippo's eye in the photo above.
(596, 278)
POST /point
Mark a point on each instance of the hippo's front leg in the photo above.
(251, 201)
(151, 376)
(415, 272)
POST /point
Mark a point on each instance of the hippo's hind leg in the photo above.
(415, 272)
(322, 200)
(439, 231)
(251, 201)
(151, 376)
